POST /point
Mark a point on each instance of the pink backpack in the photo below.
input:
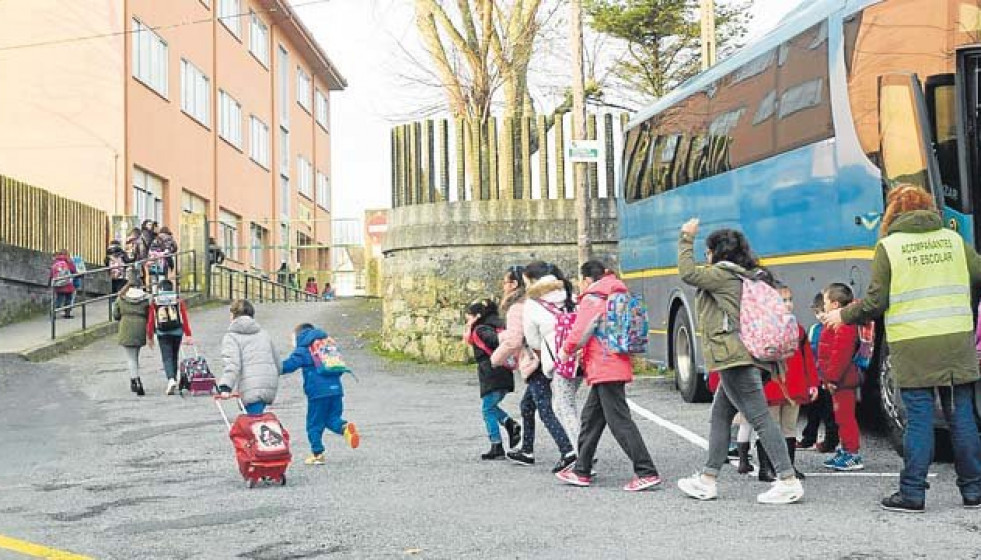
(766, 328)
(564, 320)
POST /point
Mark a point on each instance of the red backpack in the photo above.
(61, 274)
(475, 340)
(568, 368)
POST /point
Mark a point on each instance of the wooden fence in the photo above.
(502, 158)
(33, 218)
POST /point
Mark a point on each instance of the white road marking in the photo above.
(860, 474)
(685, 433)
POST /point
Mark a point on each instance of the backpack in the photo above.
(158, 264)
(624, 327)
(79, 263)
(117, 264)
(61, 274)
(474, 340)
(766, 328)
(167, 310)
(568, 368)
(866, 346)
(327, 358)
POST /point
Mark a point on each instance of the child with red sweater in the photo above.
(836, 351)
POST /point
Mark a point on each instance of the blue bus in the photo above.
(794, 141)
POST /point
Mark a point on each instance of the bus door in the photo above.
(967, 101)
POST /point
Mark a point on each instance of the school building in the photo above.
(176, 111)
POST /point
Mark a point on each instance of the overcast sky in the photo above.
(362, 38)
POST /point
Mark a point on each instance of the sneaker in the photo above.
(351, 435)
(972, 503)
(829, 463)
(568, 460)
(315, 459)
(897, 502)
(846, 461)
(641, 483)
(522, 458)
(696, 487)
(782, 492)
(171, 386)
(570, 477)
(806, 445)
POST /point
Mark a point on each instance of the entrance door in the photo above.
(968, 97)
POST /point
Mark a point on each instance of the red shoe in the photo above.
(351, 435)
(570, 477)
(641, 483)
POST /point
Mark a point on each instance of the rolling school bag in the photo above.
(262, 445)
(194, 374)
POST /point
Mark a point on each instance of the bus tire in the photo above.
(691, 384)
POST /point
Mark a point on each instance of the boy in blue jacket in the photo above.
(317, 355)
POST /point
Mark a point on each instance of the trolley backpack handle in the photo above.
(218, 398)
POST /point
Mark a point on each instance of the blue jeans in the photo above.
(493, 415)
(918, 440)
(538, 396)
(255, 408)
(61, 300)
(324, 414)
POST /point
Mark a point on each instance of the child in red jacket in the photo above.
(836, 351)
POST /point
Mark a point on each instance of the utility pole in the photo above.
(583, 242)
(707, 9)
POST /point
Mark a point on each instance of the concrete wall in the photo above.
(440, 257)
(24, 287)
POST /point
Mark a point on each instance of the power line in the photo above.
(156, 28)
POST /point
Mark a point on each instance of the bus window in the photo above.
(901, 132)
(665, 176)
(696, 158)
(631, 165)
(638, 163)
(648, 178)
(751, 91)
(681, 162)
(941, 96)
(803, 101)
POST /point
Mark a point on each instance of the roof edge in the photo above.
(290, 20)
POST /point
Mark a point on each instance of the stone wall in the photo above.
(440, 257)
(24, 287)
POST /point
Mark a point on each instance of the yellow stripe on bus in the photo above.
(37, 551)
(848, 254)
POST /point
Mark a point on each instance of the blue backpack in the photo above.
(624, 328)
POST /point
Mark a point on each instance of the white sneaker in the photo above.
(171, 386)
(782, 492)
(695, 486)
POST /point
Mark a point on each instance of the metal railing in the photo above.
(228, 283)
(190, 280)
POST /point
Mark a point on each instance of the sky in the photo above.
(367, 40)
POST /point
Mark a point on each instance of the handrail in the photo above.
(111, 297)
(275, 289)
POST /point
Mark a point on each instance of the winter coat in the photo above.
(251, 363)
(538, 322)
(512, 339)
(720, 289)
(317, 383)
(800, 377)
(835, 352)
(68, 288)
(132, 316)
(151, 322)
(932, 361)
(136, 248)
(491, 378)
(601, 365)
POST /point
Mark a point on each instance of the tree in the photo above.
(662, 38)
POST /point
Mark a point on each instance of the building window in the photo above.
(283, 95)
(192, 203)
(323, 191)
(229, 13)
(230, 122)
(322, 109)
(257, 236)
(228, 234)
(147, 196)
(284, 196)
(195, 93)
(259, 142)
(284, 152)
(305, 171)
(303, 88)
(259, 40)
(149, 58)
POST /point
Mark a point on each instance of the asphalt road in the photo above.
(87, 467)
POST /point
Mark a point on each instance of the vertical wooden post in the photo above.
(541, 125)
(492, 160)
(430, 162)
(407, 163)
(560, 187)
(444, 159)
(395, 168)
(460, 135)
(611, 185)
(417, 162)
(593, 168)
(526, 157)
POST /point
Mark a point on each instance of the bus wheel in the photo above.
(891, 405)
(690, 383)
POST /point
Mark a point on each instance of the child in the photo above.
(785, 395)
(841, 379)
(168, 320)
(252, 365)
(821, 410)
(311, 287)
(322, 386)
(495, 382)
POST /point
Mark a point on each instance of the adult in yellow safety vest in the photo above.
(922, 276)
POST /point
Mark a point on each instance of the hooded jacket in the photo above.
(512, 339)
(720, 289)
(251, 363)
(931, 361)
(538, 322)
(801, 376)
(317, 383)
(132, 315)
(68, 288)
(601, 365)
(491, 378)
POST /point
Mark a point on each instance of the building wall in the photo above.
(61, 105)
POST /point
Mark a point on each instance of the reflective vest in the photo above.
(930, 291)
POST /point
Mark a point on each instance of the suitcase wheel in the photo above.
(251, 482)
(282, 480)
